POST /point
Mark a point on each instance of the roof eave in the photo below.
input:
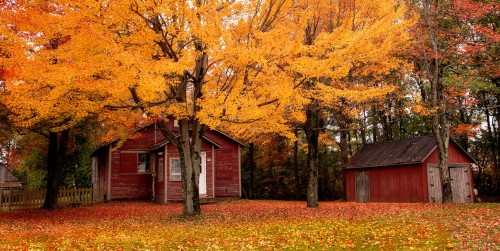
(389, 165)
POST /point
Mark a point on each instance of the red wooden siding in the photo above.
(126, 185)
(147, 137)
(350, 185)
(455, 155)
(126, 182)
(390, 184)
(227, 173)
(396, 184)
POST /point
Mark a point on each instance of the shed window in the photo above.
(175, 169)
(142, 163)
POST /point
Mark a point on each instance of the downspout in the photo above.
(153, 176)
(239, 168)
(213, 171)
(165, 173)
(110, 155)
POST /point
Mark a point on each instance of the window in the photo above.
(175, 169)
(142, 163)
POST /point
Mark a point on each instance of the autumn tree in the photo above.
(346, 47)
(202, 63)
(449, 38)
(53, 63)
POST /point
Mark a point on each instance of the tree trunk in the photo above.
(58, 144)
(191, 133)
(363, 129)
(441, 131)
(251, 179)
(433, 67)
(376, 134)
(344, 158)
(495, 133)
(190, 162)
(296, 166)
(312, 134)
(490, 137)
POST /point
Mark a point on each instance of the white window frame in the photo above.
(174, 176)
(147, 168)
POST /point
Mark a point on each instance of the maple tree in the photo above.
(202, 63)
(344, 50)
(53, 74)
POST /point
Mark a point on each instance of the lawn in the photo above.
(248, 225)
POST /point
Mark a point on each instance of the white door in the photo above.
(434, 184)
(460, 183)
(362, 186)
(203, 174)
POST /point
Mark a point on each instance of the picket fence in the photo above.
(25, 198)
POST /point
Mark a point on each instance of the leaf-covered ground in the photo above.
(248, 225)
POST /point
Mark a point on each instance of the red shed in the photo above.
(406, 171)
(148, 167)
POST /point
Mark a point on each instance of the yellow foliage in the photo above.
(266, 59)
(60, 60)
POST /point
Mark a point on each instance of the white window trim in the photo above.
(170, 168)
(148, 163)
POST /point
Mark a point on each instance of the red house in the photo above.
(148, 167)
(406, 171)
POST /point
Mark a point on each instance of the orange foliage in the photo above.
(56, 63)
(467, 130)
(250, 225)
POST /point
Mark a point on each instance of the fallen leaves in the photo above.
(248, 225)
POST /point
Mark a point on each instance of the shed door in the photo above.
(362, 186)
(434, 184)
(460, 183)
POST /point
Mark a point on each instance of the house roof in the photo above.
(166, 141)
(396, 152)
(6, 175)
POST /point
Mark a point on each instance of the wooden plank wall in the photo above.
(227, 166)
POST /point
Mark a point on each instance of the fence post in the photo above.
(10, 198)
(1, 199)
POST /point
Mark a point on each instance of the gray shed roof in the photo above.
(6, 175)
(394, 152)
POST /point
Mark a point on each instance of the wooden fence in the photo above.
(25, 198)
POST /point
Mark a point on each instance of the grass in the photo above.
(250, 225)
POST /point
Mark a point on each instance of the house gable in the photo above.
(7, 179)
